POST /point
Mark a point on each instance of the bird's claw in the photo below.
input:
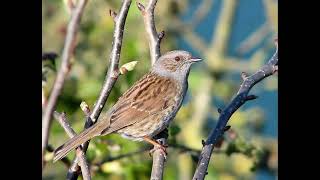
(162, 148)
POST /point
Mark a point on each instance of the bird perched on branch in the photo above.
(146, 108)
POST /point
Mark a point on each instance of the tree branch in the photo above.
(62, 119)
(242, 96)
(159, 157)
(63, 72)
(154, 46)
(154, 37)
(110, 79)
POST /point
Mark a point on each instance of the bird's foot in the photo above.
(157, 145)
(162, 148)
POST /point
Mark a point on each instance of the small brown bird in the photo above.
(146, 108)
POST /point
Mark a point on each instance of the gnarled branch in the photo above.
(242, 96)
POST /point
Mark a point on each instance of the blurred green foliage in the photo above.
(239, 156)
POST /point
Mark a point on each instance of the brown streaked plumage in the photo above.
(146, 108)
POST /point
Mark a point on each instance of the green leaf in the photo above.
(174, 130)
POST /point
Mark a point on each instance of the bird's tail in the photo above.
(74, 142)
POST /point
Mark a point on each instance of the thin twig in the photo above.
(62, 119)
(154, 37)
(72, 30)
(242, 96)
(110, 79)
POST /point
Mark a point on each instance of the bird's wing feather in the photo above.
(150, 95)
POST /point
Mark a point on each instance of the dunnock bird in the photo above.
(146, 108)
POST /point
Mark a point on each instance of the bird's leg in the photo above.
(156, 146)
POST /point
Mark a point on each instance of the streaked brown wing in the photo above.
(148, 96)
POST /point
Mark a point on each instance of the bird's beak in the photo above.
(195, 59)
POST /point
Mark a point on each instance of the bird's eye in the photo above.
(177, 58)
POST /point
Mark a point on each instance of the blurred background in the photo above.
(232, 36)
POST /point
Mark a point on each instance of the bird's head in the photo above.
(175, 63)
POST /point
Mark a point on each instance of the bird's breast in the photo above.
(178, 99)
